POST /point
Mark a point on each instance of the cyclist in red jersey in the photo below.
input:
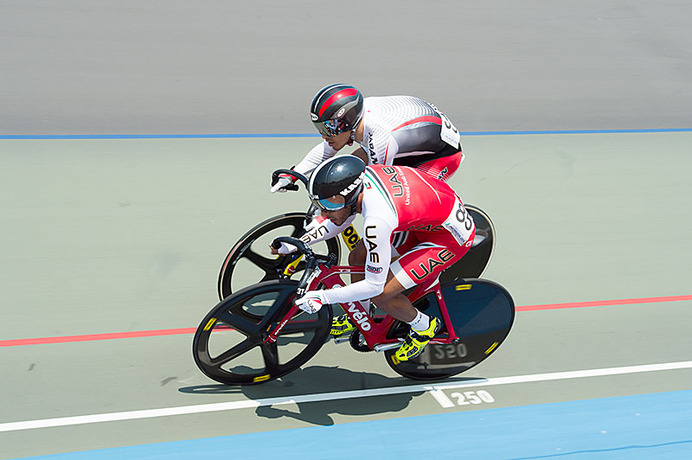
(391, 199)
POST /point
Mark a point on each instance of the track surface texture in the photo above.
(136, 144)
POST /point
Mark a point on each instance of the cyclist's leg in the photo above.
(423, 327)
(341, 325)
(442, 168)
(420, 266)
(394, 302)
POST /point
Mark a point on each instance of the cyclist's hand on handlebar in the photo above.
(311, 302)
(284, 249)
(284, 181)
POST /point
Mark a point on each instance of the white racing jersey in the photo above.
(400, 130)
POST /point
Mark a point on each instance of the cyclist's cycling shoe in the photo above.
(341, 326)
(417, 340)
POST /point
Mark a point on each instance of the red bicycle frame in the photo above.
(374, 332)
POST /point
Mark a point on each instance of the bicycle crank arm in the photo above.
(388, 346)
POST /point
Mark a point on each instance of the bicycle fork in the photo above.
(272, 336)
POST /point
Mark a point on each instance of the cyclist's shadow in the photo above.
(322, 379)
(320, 382)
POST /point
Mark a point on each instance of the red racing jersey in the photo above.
(398, 199)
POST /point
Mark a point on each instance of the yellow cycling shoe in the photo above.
(417, 340)
(341, 326)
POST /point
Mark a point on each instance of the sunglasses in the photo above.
(329, 128)
(330, 204)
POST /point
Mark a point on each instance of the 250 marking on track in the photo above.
(465, 398)
(472, 397)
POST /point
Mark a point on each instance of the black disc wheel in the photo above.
(230, 347)
(249, 261)
(481, 313)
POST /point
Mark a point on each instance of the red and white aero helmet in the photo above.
(336, 109)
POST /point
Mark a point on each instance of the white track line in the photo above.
(247, 404)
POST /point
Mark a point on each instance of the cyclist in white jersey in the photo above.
(391, 130)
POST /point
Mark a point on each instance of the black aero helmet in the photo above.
(336, 183)
(336, 109)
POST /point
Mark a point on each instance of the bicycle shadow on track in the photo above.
(318, 380)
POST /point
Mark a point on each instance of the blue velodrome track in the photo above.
(655, 425)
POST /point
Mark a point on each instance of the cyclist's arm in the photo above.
(377, 236)
(320, 229)
(320, 153)
(360, 153)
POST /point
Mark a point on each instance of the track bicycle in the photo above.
(258, 334)
(245, 263)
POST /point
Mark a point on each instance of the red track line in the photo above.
(92, 337)
(191, 330)
(603, 303)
